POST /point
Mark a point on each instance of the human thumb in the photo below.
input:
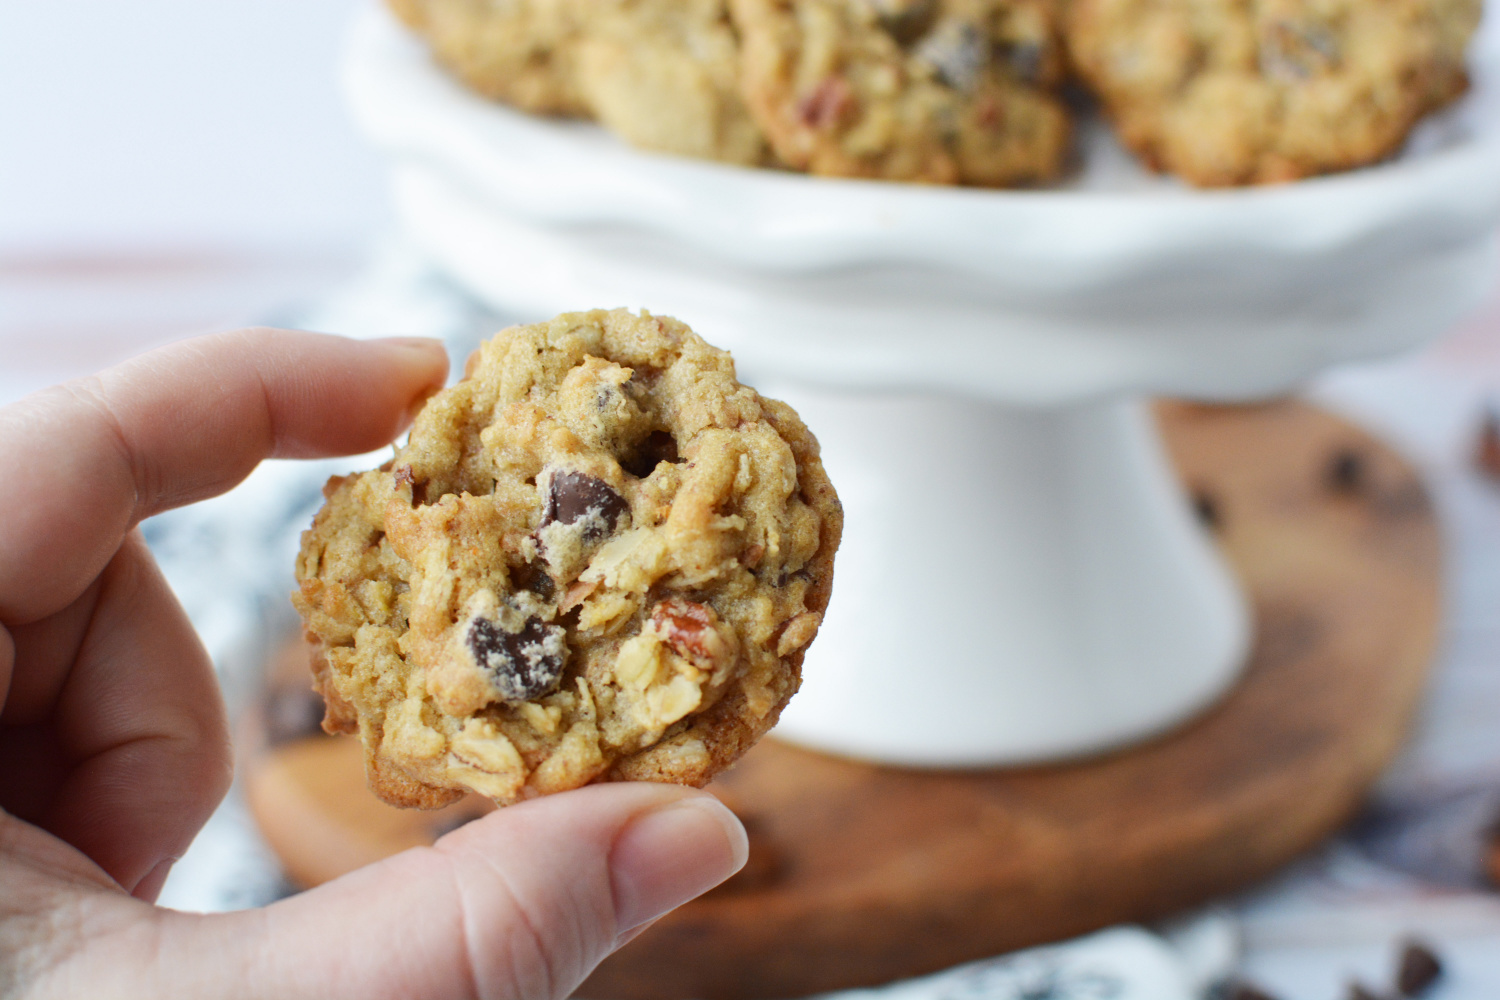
(522, 903)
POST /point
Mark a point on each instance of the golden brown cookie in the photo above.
(1227, 92)
(517, 51)
(597, 557)
(662, 74)
(941, 91)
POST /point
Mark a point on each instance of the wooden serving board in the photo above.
(862, 874)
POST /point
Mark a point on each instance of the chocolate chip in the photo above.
(905, 20)
(1347, 471)
(573, 496)
(1359, 991)
(1206, 506)
(1419, 969)
(1238, 989)
(658, 447)
(522, 665)
(292, 712)
(534, 578)
(959, 53)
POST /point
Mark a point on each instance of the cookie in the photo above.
(516, 51)
(940, 91)
(597, 557)
(664, 75)
(661, 74)
(1225, 92)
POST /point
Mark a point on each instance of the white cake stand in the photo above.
(1021, 578)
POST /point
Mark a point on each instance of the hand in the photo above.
(113, 746)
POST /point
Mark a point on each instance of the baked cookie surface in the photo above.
(517, 51)
(940, 91)
(1226, 92)
(662, 74)
(597, 557)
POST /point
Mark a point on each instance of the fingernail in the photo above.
(149, 887)
(669, 855)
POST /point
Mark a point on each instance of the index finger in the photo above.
(82, 463)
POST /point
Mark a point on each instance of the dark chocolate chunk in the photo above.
(1419, 969)
(534, 578)
(905, 20)
(658, 447)
(1359, 991)
(522, 665)
(1206, 506)
(1347, 471)
(573, 496)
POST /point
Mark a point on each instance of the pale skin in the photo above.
(114, 745)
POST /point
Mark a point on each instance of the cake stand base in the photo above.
(862, 874)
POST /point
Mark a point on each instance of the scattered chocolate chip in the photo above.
(1347, 471)
(1239, 989)
(1418, 970)
(1487, 453)
(958, 51)
(403, 476)
(905, 20)
(1206, 506)
(535, 578)
(522, 665)
(293, 711)
(573, 496)
(658, 447)
(1359, 991)
(829, 101)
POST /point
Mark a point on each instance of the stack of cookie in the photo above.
(1220, 92)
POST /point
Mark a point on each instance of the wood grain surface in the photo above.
(862, 874)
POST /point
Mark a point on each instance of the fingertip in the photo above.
(672, 853)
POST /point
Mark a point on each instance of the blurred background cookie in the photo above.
(516, 51)
(1226, 92)
(939, 91)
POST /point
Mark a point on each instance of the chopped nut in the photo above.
(828, 103)
(688, 628)
(798, 632)
(577, 594)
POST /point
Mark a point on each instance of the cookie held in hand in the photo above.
(598, 557)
